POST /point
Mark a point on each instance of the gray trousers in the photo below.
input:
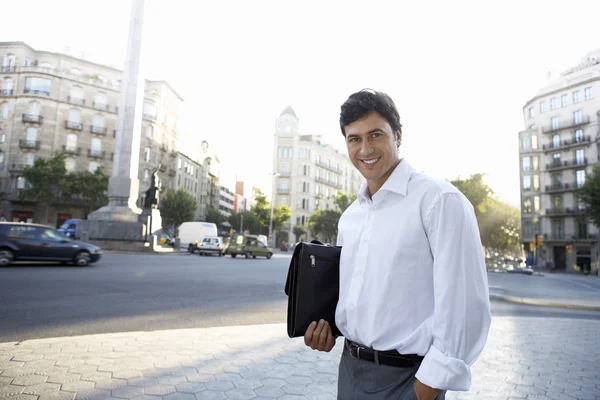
(365, 380)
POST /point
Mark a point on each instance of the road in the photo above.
(129, 292)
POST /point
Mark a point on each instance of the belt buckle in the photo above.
(358, 348)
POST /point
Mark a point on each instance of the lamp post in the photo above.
(271, 233)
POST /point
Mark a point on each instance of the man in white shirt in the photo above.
(413, 304)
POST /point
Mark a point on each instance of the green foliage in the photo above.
(343, 201)
(251, 222)
(177, 207)
(262, 209)
(45, 180)
(281, 214)
(590, 195)
(299, 230)
(499, 223)
(91, 187)
(213, 215)
(325, 223)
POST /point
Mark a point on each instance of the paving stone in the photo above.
(179, 396)
(190, 387)
(274, 382)
(10, 390)
(96, 376)
(211, 395)
(127, 392)
(22, 397)
(126, 374)
(240, 394)
(172, 379)
(29, 380)
(110, 384)
(247, 383)
(159, 390)
(228, 376)
(219, 385)
(78, 386)
(58, 396)
(292, 388)
(42, 388)
(14, 372)
(92, 394)
(269, 391)
(143, 382)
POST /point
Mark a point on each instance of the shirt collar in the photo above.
(397, 182)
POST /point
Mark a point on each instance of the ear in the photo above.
(399, 138)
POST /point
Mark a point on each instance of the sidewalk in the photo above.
(559, 291)
(535, 357)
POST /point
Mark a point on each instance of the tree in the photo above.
(476, 191)
(89, 186)
(299, 231)
(177, 207)
(325, 223)
(589, 193)
(262, 209)
(281, 214)
(45, 178)
(343, 201)
(251, 221)
(215, 216)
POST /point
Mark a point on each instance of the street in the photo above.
(182, 326)
(127, 292)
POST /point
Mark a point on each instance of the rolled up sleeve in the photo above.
(462, 317)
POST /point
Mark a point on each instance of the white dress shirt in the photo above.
(413, 276)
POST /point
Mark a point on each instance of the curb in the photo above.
(542, 302)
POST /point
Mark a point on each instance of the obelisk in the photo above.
(123, 187)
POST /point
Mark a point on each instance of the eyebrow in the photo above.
(368, 133)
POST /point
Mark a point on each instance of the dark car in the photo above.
(32, 242)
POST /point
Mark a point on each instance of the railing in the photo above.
(567, 143)
(149, 117)
(558, 187)
(99, 154)
(99, 130)
(566, 164)
(29, 144)
(561, 236)
(76, 126)
(38, 119)
(9, 68)
(286, 173)
(283, 190)
(566, 124)
(329, 167)
(17, 167)
(100, 106)
(81, 78)
(76, 100)
(72, 150)
(565, 211)
(36, 91)
(6, 92)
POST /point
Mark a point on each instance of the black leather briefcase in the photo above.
(312, 286)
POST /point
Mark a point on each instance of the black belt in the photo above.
(390, 357)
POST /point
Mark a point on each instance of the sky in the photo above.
(459, 72)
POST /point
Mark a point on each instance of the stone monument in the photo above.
(150, 215)
(121, 221)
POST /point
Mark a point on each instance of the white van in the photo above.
(191, 233)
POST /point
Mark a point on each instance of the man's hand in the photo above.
(424, 392)
(319, 336)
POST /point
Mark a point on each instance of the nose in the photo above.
(365, 149)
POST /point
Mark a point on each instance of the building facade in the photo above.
(191, 176)
(557, 149)
(52, 102)
(309, 173)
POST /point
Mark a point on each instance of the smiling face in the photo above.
(373, 148)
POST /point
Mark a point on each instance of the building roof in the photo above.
(289, 110)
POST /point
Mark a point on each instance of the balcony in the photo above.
(9, 68)
(285, 173)
(45, 92)
(29, 144)
(328, 167)
(173, 154)
(164, 148)
(566, 124)
(17, 167)
(560, 187)
(569, 237)
(283, 190)
(75, 151)
(6, 92)
(567, 144)
(75, 126)
(100, 106)
(97, 154)
(558, 165)
(76, 100)
(563, 212)
(172, 172)
(35, 119)
(98, 130)
(163, 168)
(149, 117)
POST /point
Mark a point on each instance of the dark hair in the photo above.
(361, 103)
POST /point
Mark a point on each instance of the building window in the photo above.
(284, 184)
(553, 103)
(588, 93)
(526, 164)
(30, 159)
(300, 186)
(318, 173)
(580, 178)
(8, 85)
(147, 151)
(38, 86)
(71, 142)
(536, 183)
(74, 116)
(283, 201)
(299, 204)
(284, 168)
(579, 136)
(94, 165)
(34, 108)
(526, 182)
(578, 117)
(1, 160)
(536, 203)
(31, 134)
(317, 189)
(20, 182)
(179, 163)
(150, 111)
(557, 202)
(70, 164)
(100, 101)
(543, 106)
(96, 146)
(76, 95)
(531, 112)
(527, 206)
(555, 123)
(10, 60)
(556, 141)
(4, 110)
(300, 169)
(536, 163)
(27, 62)
(327, 192)
(576, 97)
(146, 178)
(98, 121)
(564, 100)
(149, 131)
(579, 157)
(534, 142)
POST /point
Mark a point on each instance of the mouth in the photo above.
(370, 163)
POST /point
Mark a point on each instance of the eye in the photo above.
(375, 134)
(353, 139)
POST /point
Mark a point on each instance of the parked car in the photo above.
(69, 228)
(33, 242)
(191, 233)
(248, 246)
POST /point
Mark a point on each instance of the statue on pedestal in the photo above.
(152, 194)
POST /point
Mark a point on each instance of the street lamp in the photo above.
(271, 233)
